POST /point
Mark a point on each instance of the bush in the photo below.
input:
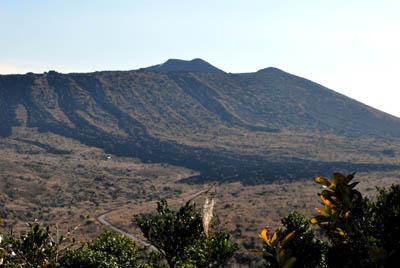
(35, 248)
(344, 220)
(212, 251)
(108, 250)
(304, 243)
(385, 221)
(357, 232)
(6, 253)
(39, 248)
(182, 237)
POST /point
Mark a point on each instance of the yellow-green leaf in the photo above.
(340, 231)
(321, 212)
(287, 238)
(265, 235)
(322, 181)
(274, 238)
(326, 201)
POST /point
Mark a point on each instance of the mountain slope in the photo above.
(251, 127)
(271, 97)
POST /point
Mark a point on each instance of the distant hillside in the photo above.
(253, 127)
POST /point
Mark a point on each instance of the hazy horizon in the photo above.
(350, 47)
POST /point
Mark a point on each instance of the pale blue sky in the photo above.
(352, 47)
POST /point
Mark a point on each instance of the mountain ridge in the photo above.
(178, 65)
(221, 124)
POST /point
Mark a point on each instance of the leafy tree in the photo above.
(304, 244)
(293, 245)
(108, 250)
(344, 220)
(357, 232)
(276, 253)
(212, 251)
(36, 248)
(182, 241)
(385, 221)
(6, 252)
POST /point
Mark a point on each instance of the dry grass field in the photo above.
(62, 182)
(73, 185)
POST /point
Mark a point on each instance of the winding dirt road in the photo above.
(102, 219)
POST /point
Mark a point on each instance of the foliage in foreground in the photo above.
(107, 250)
(294, 244)
(183, 239)
(347, 231)
(38, 247)
(354, 231)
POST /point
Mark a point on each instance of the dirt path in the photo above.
(102, 219)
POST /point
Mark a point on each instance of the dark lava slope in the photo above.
(119, 111)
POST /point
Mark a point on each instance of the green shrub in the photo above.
(344, 220)
(36, 248)
(212, 251)
(108, 250)
(276, 252)
(356, 232)
(385, 221)
(304, 243)
(6, 253)
(182, 241)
